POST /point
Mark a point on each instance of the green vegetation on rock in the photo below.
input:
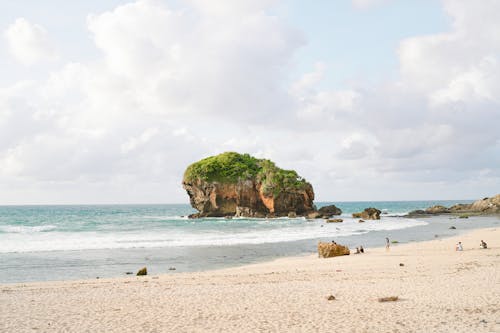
(231, 167)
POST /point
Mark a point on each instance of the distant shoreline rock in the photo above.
(485, 206)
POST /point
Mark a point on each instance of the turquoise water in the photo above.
(71, 242)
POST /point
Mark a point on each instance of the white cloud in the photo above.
(172, 86)
(29, 43)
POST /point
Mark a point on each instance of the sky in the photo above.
(105, 102)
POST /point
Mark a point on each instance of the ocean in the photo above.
(43, 243)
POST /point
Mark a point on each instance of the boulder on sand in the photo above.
(328, 250)
(142, 271)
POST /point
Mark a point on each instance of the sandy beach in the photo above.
(439, 290)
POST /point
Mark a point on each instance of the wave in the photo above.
(209, 235)
(23, 229)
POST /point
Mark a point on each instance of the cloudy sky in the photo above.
(109, 101)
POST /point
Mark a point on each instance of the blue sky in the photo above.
(108, 102)
(360, 44)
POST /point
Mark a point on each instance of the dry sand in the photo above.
(439, 290)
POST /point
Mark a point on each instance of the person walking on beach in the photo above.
(387, 244)
(459, 247)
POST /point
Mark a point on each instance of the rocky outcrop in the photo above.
(438, 209)
(142, 271)
(233, 184)
(368, 214)
(327, 250)
(487, 205)
(480, 207)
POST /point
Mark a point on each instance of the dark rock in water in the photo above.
(232, 184)
(329, 211)
(142, 271)
(452, 227)
(361, 221)
(463, 216)
(368, 214)
(334, 220)
(327, 250)
(129, 273)
(171, 268)
(417, 212)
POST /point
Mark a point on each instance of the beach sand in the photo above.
(439, 290)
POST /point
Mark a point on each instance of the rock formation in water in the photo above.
(368, 214)
(325, 212)
(232, 184)
(480, 207)
(327, 250)
(438, 209)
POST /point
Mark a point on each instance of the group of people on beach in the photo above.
(482, 245)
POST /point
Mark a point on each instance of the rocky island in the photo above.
(233, 184)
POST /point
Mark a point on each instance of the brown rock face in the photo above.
(437, 210)
(327, 250)
(246, 198)
(487, 205)
(368, 214)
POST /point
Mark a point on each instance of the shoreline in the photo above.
(440, 290)
(59, 266)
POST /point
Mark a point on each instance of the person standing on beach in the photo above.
(387, 244)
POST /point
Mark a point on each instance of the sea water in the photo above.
(39, 243)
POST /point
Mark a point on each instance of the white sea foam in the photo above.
(26, 229)
(265, 231)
